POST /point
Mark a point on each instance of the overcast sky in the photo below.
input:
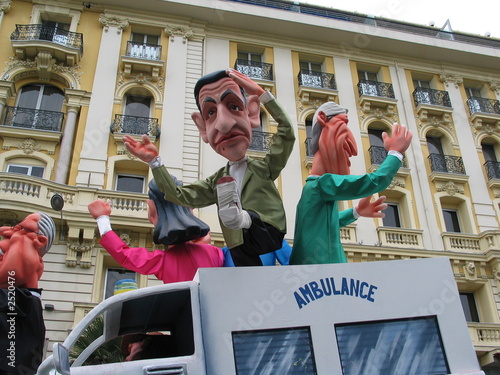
(474, 17)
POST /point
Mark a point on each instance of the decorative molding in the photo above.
(113, 21)
(451, 78)
(470, 271)
(495, 86)
(5, 6)
(80, 253)
(450, 187)
(28, 145)
(184, 32)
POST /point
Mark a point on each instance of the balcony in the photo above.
(142, 58)
(135, 125)
(261, 141)
(378, 155)
(375, 96)
(472, 243)
(46, 43)
(484, 112)
(259, 71)
(317, 85)
(400, 237)
(492, 170)
(432, 105)
(446, 164)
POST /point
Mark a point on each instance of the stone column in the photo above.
(94, 155)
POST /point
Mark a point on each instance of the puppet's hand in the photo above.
(145, 150)
(251, 88)
(367, 208)
(399, 140)
(99, 208)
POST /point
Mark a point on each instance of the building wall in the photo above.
(198, 38)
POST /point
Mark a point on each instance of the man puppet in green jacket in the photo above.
(251, 212)
(317, 220)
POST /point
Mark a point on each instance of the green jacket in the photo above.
(317, 221)
(259, 193)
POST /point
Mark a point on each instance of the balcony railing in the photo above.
(447, 164)
(317, 79)
(143, 50)
(378, 155)
(492, 170)
(254, 69)
(375, 88)
(261, 141)
(423, 95)
(49, 33)
(483, 105)
(33, 119)
(136, 125)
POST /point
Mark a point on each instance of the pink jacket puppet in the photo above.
(175, 227)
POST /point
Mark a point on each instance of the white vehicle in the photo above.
(390, 317)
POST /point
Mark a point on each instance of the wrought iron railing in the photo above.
(49, 33)
(317, 79)
(143, 50)
(375, 88)
(446, 164)
(33, 119)
(261, 141)
(255, 69)
(492, 170)
(308, 147)
(378, 155)
(136, 125)
(483, 105)
(423, 95)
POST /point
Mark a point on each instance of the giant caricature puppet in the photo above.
(251, 212)
(21, 266)
(317, 221)
(175, 227)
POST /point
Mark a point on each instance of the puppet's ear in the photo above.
(152, 212)
(200, 124)
(253, 108)
(322, 120)
(40, 242)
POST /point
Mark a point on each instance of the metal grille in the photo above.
(49, 33)
(483, 105)
(317, 79)
(423, 95)
(255, 69)
(33, 119)
(447, 164)
(378, 155)
(375, 88)
(261, 141)
(136, 125)
(493, 170)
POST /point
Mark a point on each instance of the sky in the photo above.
(474, 17)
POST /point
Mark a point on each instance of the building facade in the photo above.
(78, 76)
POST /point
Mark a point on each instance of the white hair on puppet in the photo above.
(47, 228)
(330, 109)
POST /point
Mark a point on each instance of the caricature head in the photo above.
(332, 142)
(226, 116)
(174, 224)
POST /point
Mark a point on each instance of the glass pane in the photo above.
(405, 346)
(137, 106)
(255, 57)
(489, 152)
(391, 218)
(139, 38)
(132, 184)
(451, 221)
(434, 145)
(280, 351)
(375, 136)
(52, 99)
(18, 169)
(469, 306)
(114, 275)
(152, 39)
(29, 96)
(37, 171)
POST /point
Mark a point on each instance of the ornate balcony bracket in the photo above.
(449, 183)
(81, 242)
(434, 114)
(377, 106)
(308, 95)
(489, 123)
(130, 65)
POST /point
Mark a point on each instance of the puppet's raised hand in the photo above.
(145, 150)
(367, 208)
(99, 208)
(399, 140)
(251, 88)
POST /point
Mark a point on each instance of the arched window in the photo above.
(378, 153)
(136, 114)
(27, 166)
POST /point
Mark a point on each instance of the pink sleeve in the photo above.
(137, 259)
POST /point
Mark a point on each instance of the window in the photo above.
(114, 275)
(249, 56)
(451, 220)
(489, 152)
(55, 31)
(278, 351)
(491, 163)
(44, 97)
(130, 183)
(421, 83)
(367, 76)
(144, 46)
(469, 305)
(392, 217)
(309, 126)
(378, 153)
(310, 66)
(422, 91)
(136, 119)
(30, 170)
(402, 346)
(368, 83)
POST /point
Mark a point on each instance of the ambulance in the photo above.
(386, 317)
